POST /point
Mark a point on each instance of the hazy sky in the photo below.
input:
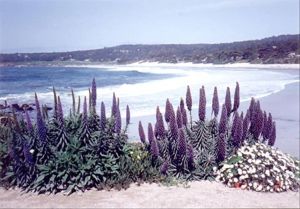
(63, 25)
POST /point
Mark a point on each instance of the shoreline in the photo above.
(275, 66)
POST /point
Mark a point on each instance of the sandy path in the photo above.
(202, 194)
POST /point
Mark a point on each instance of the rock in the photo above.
(49, 108)
(16, 107)
(27, 107)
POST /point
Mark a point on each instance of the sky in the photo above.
(66, 25)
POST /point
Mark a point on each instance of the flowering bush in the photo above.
(190, 149)
(261, 168)
(84, 150)
(71, 153)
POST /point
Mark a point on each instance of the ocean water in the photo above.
(141, 87)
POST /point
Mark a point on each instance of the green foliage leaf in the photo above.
(234, 159)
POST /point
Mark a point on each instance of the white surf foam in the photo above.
(144, 97)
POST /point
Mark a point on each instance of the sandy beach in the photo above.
(203, 194)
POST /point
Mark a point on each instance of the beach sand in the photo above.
(203, 194)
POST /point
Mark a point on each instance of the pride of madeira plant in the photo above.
(85, 150)
(191, 149)
(77, 152)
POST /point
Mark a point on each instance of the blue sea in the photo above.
(17, 81)
(143, 87)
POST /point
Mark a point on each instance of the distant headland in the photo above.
(283, 49)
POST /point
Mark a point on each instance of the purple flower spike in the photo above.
(142, 133)
(236, 116)
(223, 120)
(238, 133)
(190, 156)
(150, 133)
(236, 102)
(118, 122)
(272, 138)
(181, 105)
(246, 123)
(228, 101)
(157, 112)
(154, 148)
(258, 118)
(160, 128)
(103, 117)
(60, 114)
(94, 93)
(84, 119)
(173, 124)
(179, 118)
(90, 99)
(202, 104)
(127, 115)
(215, 102)
(181, 145)
(252, 109)
(164, 168)
(221, 148)
(184, 117)
(29, 123)
(265, 131)
(167, 111)
(42, 130)
(55, 103)
(114, 106)
(188, 99)
(27, 154)
(155, 130)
